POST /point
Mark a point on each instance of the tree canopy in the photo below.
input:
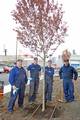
(40, 25)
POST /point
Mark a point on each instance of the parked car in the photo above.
(7, 68)
(1, 69)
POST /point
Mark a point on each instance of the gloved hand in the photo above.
(15, 89)
(29, 78)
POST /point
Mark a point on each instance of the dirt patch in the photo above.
(46, 115)
(66, 111)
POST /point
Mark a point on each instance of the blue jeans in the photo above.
(48, 89)
(20, 94)
(34, 85)
(68, 88)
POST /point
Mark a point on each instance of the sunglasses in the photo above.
(66, 60)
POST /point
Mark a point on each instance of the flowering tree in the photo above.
(40, 27)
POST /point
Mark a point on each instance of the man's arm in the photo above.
(29, 68)
(26, 79)
(53, 71)
(39, 70)
(60, 73)
(75, 74)
(12, 77)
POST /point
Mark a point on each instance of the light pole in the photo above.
(5, 50)
(16, 49)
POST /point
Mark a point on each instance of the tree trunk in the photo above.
(43, 102)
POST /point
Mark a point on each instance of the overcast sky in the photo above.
(8, 36)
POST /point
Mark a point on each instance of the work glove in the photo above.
(29, 78)
(15, 89)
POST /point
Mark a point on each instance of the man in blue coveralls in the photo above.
(68, 73)
(49, 72)
(18, 80)
(35, 70)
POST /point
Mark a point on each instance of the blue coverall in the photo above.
(34, 82)
(49, 72)
(18, 79)
(68, 73)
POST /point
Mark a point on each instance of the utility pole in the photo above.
(16, 49)
(5, 50)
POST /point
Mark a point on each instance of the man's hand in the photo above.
(14, 87)
(29, 78)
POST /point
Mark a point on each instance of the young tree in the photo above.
(40, 27)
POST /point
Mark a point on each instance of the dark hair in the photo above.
(50, 61)
(35, 58)
(19, 60)
(14, 63)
